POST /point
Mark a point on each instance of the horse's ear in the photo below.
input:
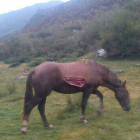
(124, 83)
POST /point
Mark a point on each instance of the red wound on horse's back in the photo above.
(78, 82)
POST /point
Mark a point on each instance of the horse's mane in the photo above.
(86, 61)
(107, 74)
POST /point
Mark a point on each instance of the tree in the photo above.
(120, 35)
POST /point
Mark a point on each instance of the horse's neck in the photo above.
(112, 87)
(106, 83)
(109, 79)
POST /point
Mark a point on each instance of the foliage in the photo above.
(85, 27)
(92, 34)
(18, 22)
(117, 31)
(73, 27)
(36, 62)
(20, 59)
(120, 35)
(14, 65)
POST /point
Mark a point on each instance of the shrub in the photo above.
(14, 64)
(73, 27)
(43, 34)
(20, 59)
(10, 60)
(36, 62)
(25, 59)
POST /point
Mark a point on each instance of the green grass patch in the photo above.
(63, 111)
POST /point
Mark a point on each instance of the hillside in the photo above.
(72, 12)
(74, 29)
(15, 20)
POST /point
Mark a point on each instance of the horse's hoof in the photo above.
(85, 121)
(48, 126)
(24, 130)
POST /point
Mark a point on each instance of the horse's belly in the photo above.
(67, 89)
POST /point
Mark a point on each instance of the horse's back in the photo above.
(53, 73)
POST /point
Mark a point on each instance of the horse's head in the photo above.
(122, 95)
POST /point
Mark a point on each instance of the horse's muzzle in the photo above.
(127, 108)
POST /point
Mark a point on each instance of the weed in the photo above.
(11, 86)
(73, 102)
(61, 115)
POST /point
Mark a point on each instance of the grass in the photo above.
(112, 124)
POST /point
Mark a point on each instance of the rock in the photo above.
(25, 70)
(117, 71)
(101, 53)
(21, 77)
(138, 65)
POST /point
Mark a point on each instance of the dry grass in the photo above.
(113, 124)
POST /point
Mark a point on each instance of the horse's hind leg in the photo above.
(28, 108)
(100, 95)
(41, 108)
(86, 95)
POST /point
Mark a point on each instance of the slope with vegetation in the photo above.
(76, 28)
(118, 31)
(15, 20)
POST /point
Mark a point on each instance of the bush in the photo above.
(73, 27)
(20, 59)
(10, 60)
(36, 62)
(24, 59)
(43, 34)
(14, 64)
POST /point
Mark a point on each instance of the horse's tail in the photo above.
(29, 91)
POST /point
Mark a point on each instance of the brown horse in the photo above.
(81, 76)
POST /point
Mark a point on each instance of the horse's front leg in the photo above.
(86, 95)
(100, 95)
